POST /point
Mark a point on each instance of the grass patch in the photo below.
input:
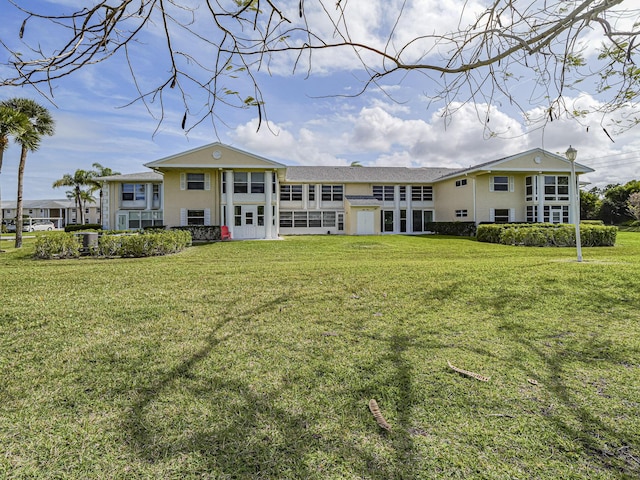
(258, 360)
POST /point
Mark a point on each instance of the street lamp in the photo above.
(571, 154)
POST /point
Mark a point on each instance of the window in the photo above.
(132, 192)
(532, 213)
(461, 183)
(312, 193)
(134, 220)
(257, 182)
(332, 193)
(240, 182)
(286, 219)
(224, 182)
(499, 184)
(237, 216)
(291, 193)
(195, 181)
(261, 215)
(556, 188)
(501, 215)
(421, 219)
(248, 217)
(461, 213)
(530, 189)
(195, 217)
(422, 193)
(403, 194)
(307, 219)
(315, 219)
(384, 193)
(387, 221)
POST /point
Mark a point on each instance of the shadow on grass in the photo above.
(258, 439)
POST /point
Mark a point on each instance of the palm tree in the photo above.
(40, 122)
(11, 123)
(101, 171)
(80, 178)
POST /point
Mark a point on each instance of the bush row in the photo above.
(547, 235)
(460, 229)
(201, 233)
(69, 245)
(82, 227)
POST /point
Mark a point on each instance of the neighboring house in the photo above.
(132, 201)
(60, 212)
(258, 198)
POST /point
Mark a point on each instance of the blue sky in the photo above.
(310, 121)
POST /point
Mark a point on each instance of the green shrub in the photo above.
(82, 227)
(460, 229)
(547, 234)
(144, 244)
(201, 233)
(57, 245)
(109, 246)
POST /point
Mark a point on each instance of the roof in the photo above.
(496, 163)
(365, 174)
(33, 204)
(133, 177)
(363, 200)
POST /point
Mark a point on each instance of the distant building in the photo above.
(60, 212)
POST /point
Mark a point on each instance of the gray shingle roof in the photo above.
(365, 174)
(133, 177)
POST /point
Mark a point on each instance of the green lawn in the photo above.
(258, 360)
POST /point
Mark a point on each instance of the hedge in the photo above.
(460, 229)
(82, 227)
(547, 234)
(68, 245)
(57, 245)
(201, 233)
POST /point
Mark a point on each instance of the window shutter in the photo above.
(512, 214)
(207, 182)
(183, 217)
(512, 183)
(207, 215)
(183, 181)
(492, 215)
(491, 184)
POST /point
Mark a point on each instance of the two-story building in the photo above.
(259, 198)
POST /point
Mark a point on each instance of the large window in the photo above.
(257, 182)
(501, 215)
(332, 193)
(500, 183)
(532, 213)
(530, 189)
(291, 193)
(556, 213)
(384, 193)
(556, 187)
(240, 182)
(312, 193)
(132, 192)
(420, 220)
(307, 219)
(195, 181)
(422, 193)
(195, 217)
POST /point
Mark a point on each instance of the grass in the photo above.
(258, 359)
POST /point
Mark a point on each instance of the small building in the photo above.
(60, 211)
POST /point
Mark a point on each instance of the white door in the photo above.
(249, 222)
(365, 222)
(122, 222)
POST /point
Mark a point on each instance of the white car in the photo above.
(39, 226)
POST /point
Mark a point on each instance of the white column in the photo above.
(396, 214)
(229, 221)
(268, 207)
(540, 192)
(409, 211)
(148, 192)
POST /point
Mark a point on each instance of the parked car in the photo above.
(40, 225)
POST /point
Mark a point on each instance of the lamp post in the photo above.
(571, 154)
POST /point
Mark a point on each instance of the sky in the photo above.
(315, 119)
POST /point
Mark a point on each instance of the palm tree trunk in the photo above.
(19, 220)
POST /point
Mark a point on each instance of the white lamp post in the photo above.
(571, 154)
